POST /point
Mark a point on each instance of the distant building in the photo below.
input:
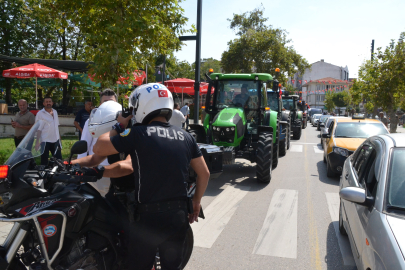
(319, 79)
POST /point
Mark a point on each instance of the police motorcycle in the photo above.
(60, 221)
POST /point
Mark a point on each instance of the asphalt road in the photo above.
(290, 223)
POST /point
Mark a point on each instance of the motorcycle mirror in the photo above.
(79, 148)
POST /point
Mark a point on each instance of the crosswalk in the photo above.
(299, 147)
(278, 236)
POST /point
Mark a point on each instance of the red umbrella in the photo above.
(37, 71)
(185, 86)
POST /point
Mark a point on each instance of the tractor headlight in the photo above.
(227, 129)
(341, 151)
(232, 128)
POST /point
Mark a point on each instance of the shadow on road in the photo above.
(333, 258)
(322, 175)
(238, 174)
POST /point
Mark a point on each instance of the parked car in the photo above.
(312, 111)
(372, 202)
(324, 129)
(315, 119)
(343, 138)
(322, 120)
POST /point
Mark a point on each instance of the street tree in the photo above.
(328, 102)
(339, 100)
(206, 65)
(382, 81)
(120, 36)
(260, 47)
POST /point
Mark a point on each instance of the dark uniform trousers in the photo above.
(150, 232)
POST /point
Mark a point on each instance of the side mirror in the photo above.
(353, 194)
(325, 135)
(79, 148)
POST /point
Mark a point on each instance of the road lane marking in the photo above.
(333, 205)
(296, 148)
(218, 213)
(313, 232)
(278, 236)
(318, 149)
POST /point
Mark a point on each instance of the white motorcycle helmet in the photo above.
(149, 101)
(103, 118)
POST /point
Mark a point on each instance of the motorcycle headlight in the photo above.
(341, 151)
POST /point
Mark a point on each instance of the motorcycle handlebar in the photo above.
(73, 179)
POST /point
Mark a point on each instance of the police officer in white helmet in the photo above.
(161, 155)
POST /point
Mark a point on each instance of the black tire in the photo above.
(342, 229)
(304, 124)
(329, 172)
(297, 133)
(188, 247)
(283, 148)
(275, 153)
(264, 160)
(289, 137)
(324, 158)
(197, 134)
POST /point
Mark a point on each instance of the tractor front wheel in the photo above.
(275, 152)
(264, 157)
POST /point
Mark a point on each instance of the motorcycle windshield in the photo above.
(31, 146)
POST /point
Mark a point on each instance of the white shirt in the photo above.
(49, 133)
(177, 118)
(86, 136)
(185, 110)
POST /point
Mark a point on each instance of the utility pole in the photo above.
(164, 68)
(372, 50)
(197, 38)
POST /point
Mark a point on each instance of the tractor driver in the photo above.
(243, 98)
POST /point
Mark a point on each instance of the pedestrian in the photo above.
(186, 112)
(383, 119)
(82, 116)
(22, 122)
(161, 156)
(102, 185)
(49, 134)
(177, 118)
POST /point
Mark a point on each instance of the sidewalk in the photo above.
(400, 129)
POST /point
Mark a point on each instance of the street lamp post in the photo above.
(197, 38)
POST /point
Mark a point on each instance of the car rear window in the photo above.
(359, 130)
(396, 187)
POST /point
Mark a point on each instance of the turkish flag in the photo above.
(163, 93)
(305, 81)
(293, 81)
(299, 81)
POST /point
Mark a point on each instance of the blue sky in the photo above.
(340, 32)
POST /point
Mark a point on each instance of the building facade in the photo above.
(317, 80)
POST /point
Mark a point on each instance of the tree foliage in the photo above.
(381, 82)
(328, 102)
(206, 64)
(339, 99)
(121, 36)
(260, 47)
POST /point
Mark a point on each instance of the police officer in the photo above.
(161, 155)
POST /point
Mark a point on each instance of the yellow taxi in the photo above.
(343, 136)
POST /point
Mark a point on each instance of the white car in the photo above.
(315, 119)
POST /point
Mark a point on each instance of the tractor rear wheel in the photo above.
(288, 137)
(264, 162)
(297, 133)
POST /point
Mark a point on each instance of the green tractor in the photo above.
(290, 104)
(239, 119)
(275, 103)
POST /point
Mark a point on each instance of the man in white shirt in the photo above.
(177, 118)
(49, 134)
(102, 185)
(186, 112)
